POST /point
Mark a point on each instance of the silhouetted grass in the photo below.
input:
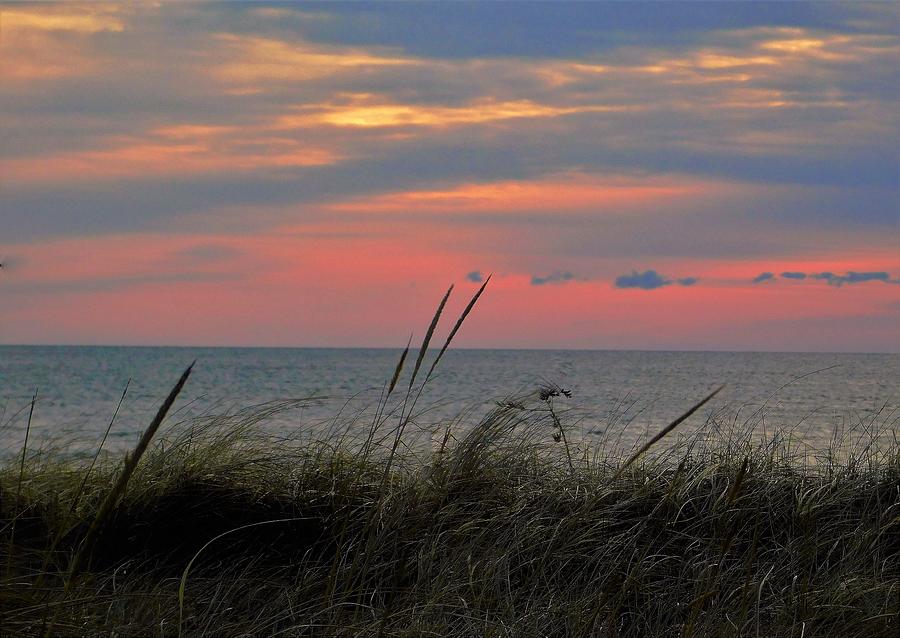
(496, 534)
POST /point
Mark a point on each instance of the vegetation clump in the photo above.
(501, 532)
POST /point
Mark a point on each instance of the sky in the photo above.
(631, 175)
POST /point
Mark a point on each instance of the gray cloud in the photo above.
(650, 280)
(853, 277)
(826, 276)
(857, 277)
(553, 278)
(475, 276)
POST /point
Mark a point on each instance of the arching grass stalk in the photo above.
(459, 323)
(674, 424)
(424, 347)
(399, 367)
(182, 585)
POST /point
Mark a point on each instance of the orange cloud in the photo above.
(45, 42)
(254, 59)
(79, 18)
(554, 193)
(704, 66)
(762, 59)
(792, 43)
(187, 150)
(479, 112)
(758, 55)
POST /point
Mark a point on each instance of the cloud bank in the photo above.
(832, 279)
(853, 277)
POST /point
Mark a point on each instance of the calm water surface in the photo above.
(620, 393)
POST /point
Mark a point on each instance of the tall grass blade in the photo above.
(99, 449)
(25, 445)
(427, 339)
(118, 489)
(12, 531)
(399, 367)
(674, 424)
(459, 323)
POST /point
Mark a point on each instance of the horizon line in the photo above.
(400, 348)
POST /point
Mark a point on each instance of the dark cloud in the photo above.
(475, 276)
(149, 203)
(826, 276)
(650, 280)
(553, 278)
(852, 277)
(857, 277)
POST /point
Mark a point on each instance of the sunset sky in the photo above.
(633, 175)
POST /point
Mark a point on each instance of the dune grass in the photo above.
(495, 535)
(503, 528)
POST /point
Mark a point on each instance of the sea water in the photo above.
(621, 395)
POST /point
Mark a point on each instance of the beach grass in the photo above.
(497, 531)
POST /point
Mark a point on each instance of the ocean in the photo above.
(621, 395)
